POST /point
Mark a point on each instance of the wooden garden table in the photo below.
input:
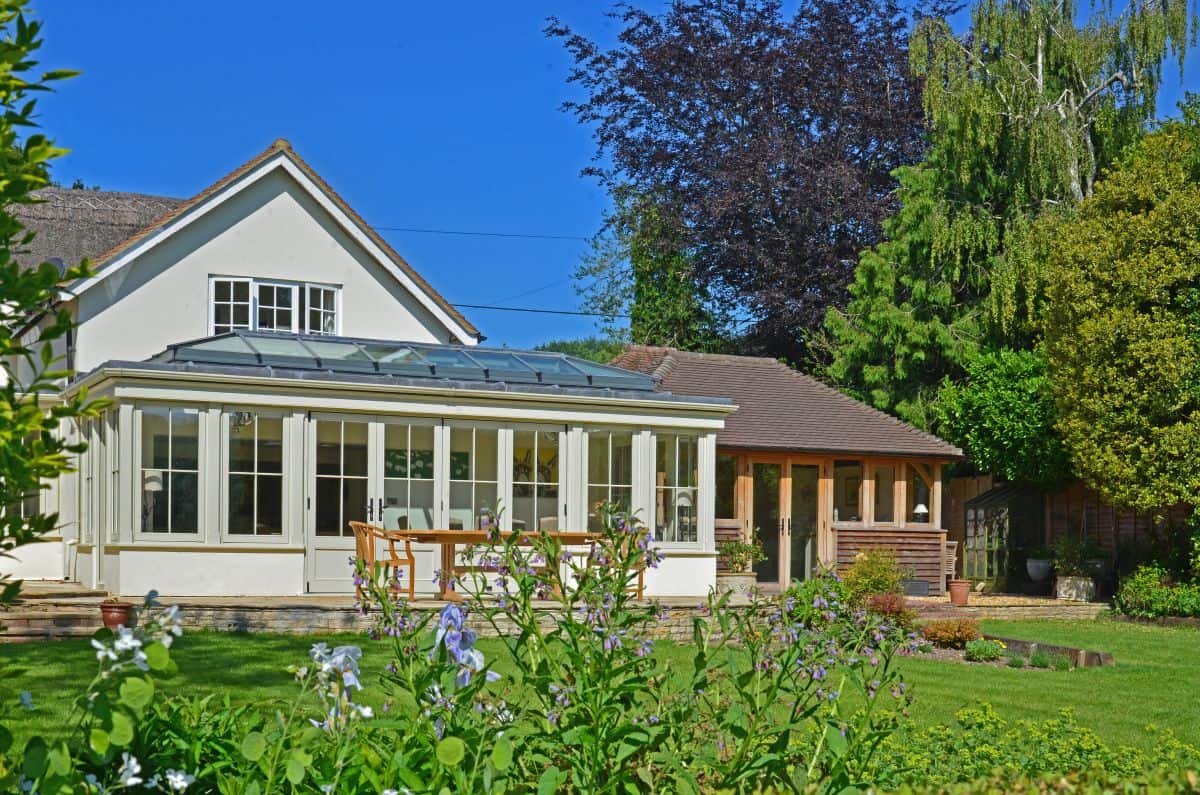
(449, 539)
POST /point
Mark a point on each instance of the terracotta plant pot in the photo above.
(116, 614)
(960, 591)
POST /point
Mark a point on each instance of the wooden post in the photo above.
(935, 496)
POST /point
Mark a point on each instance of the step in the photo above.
(38, 634)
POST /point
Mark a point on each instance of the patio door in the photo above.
(367, 469)
(784, 510)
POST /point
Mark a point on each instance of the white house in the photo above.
(276, 369)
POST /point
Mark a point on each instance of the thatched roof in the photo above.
(73, 224)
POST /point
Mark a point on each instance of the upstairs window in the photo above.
(259, 305)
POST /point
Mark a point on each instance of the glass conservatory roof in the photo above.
(409, 359)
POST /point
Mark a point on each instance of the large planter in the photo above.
(739, 583)
(1038, 569)
(960, 592)
(1075, 589)
(116, 614)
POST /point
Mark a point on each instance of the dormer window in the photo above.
(260, 305)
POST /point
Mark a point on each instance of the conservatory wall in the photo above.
(251, 494)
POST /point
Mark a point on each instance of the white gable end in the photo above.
(271, 225)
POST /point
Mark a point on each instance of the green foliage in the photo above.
(951, 633)
(1150, 593)
(874, 571)
(892, 607)
(32, 447)
(983, 744)
(1073, 556)
(1076, 782)
(1039, 659)
(1015, 660)
(594, 349)
(640, 267)
(1060, 662)
(982, 650)
(1022, 113)
(739, 556)
(1003, 416)
(1122, 337)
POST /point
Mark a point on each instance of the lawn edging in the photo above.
(1080, 658)
(1158, 621)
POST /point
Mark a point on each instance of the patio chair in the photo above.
(950, 559)
(366, 537)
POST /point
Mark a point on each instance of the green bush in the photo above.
(1016, 661)
(1086, 782)
(983, 746)
(1060, 662)
(874, 571)
(1150, 593)
(1039, 659)
(982, 650)
(951, 633)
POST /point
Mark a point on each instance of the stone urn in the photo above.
(739, 583)
(1075, 589)
(960, 592)
(1038, 569)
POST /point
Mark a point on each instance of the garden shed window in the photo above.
(255, 460)
(675, 513)
(610, 473)
(847, 491)
(170, 469)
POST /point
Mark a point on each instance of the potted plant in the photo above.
(1074, 570)
(735, 565)
(1038, 562)
(960, 592)
(115, 612)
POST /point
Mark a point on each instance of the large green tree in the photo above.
(1123, 324)
(1023, 111)
(32, 449)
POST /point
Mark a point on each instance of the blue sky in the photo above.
(422, 115)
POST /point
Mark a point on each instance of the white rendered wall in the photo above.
(683, 574)
(40, 561)
(270, 230)
(198, 573)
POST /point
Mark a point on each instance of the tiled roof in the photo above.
(781, 409)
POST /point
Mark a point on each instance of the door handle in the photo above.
(370, 509)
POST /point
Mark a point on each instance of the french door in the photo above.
(784, 510)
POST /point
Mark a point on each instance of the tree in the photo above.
(594, 349)
(1022, 111)
(640, 269)
(1123, 325)
(1004, 415)
(774, 139)
(32, 450)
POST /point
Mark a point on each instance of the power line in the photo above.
(471, 233)
(535, 311)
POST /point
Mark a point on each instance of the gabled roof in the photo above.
(177, 214)
(781, 409)
(71, 225)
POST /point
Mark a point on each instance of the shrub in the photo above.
(1150, 593)
(1060, 662)
(893, 607)
(874, 571)
(983, 745)
(982, 650)
(740, 556)
(951, 633)
(1015, 660)
(1039, 659)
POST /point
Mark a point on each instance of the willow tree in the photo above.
(1023, 111)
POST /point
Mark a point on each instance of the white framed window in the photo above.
(321, 309)
(275, 307)
(676, 458)
(229, 305)
(169, 469)
(241, 303)
(609, 473)
(409, 475)
(254, 455)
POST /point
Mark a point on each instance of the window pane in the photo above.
(185, 439)
(622, 459)
(462, 505)
(523, 451)
(270, 444)
(221, 314)
(241, 441)
(354, 503)
(184, 501)
(420, 511)
(354, 446)
(847, 491)
(547, 454)
(241, 291)
(328, 513)
(597, 496)
(156, 438)
(270, 505)
(156, 497)
(241, 504)
(487, 451)
(917, 496)
(395, 451)
(598, 457)
(687, 461)
(665, 460)
(329, 447)
(461, 441)
(421, 454)
(885, 494)
(221, 290)
(726, 503)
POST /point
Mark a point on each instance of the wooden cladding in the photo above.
(919, 552)
(1079, 512)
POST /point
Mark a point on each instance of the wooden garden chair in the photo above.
(366, 539)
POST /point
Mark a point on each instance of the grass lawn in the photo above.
(1155, 680)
